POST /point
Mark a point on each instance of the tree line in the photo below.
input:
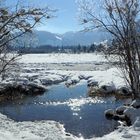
(60, 49)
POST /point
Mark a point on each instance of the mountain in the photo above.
(40, 38)
(84, 38)
(47, 38)
(71, 38)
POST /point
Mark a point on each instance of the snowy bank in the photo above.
(124, 133)
(35, 69)
(50, 130)
(14, 90)
(39, 130)
(47, 69)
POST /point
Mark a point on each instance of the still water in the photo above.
(80, 114)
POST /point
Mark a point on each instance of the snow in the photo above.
(59, 38)
(39, 130)
(124, 133)
(137, 124)
(109, 112)
(5, 135)
(44, 69)
(62, 58)
(136, 103)
(132, 113)
(47, 69)
(50, 130)
(92, 82)
(51, 78)
(104, 77)
(72, 80)
(121, 109)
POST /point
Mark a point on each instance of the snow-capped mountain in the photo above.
(70, 38)
(47, 38)
(84, 38)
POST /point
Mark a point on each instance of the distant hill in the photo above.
(47, 38)
(71, 38)
(41, 38)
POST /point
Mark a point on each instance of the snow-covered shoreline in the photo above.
(34, 69)
(48, 69)
(50, 130)
(39, 130)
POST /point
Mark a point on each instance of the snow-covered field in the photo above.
(45, 69)
(62, 58)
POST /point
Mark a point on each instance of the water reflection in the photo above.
(80, 114)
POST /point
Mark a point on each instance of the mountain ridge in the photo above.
(70, 38)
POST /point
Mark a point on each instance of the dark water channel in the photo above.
(80, 114)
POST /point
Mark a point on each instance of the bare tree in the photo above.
(14, 23)
(121, 19)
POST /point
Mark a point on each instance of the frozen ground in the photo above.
(45, 69)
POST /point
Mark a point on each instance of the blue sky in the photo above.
(66, 19)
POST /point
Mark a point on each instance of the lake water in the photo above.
(80, 114)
